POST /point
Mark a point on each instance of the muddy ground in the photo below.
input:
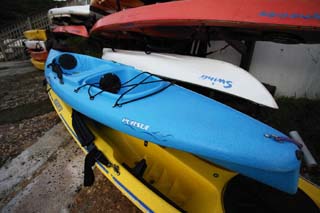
(26, 115)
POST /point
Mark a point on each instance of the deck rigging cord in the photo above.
(125, 85)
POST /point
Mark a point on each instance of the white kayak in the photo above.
(210, 73)
(35, 44)
(81, 10)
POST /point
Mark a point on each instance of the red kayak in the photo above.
(252, 18)
(105, 7)
(39, 55)
(78, 30)
(108, 6)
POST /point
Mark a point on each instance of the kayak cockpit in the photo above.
(126, 85)
(121, 83)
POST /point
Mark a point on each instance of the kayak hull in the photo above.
(164, 172)
(39, 55)
(209, 73)
(167, 170)
(78, 30)
(287, 21)
(38, 64)
(82, 10)
(171, 116)
(37, 34)
(35, 45)
(110, 6)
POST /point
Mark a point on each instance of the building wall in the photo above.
(293, 69)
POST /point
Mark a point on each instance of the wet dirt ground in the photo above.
(101, 197)
(26, 117)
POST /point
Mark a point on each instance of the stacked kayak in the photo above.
(209, 73)
(292, 21)
(158, 179)
(167, 148)
(106, 7)
(73, 38)
(71, 15)
(37, 64)
(70, 30)
(37, 34)
(151, 109)
(165, 172)
(111, 6)
(36, 47)
(40, 56)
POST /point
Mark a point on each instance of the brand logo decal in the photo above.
(291, 16)
(58, 105)
(136, 124)
(214, 80)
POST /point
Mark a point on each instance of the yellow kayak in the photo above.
(37, 34)
(38, 64)
(159, 179)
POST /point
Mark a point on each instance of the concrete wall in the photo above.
(293, 69)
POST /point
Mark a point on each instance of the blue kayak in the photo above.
(147, 107)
